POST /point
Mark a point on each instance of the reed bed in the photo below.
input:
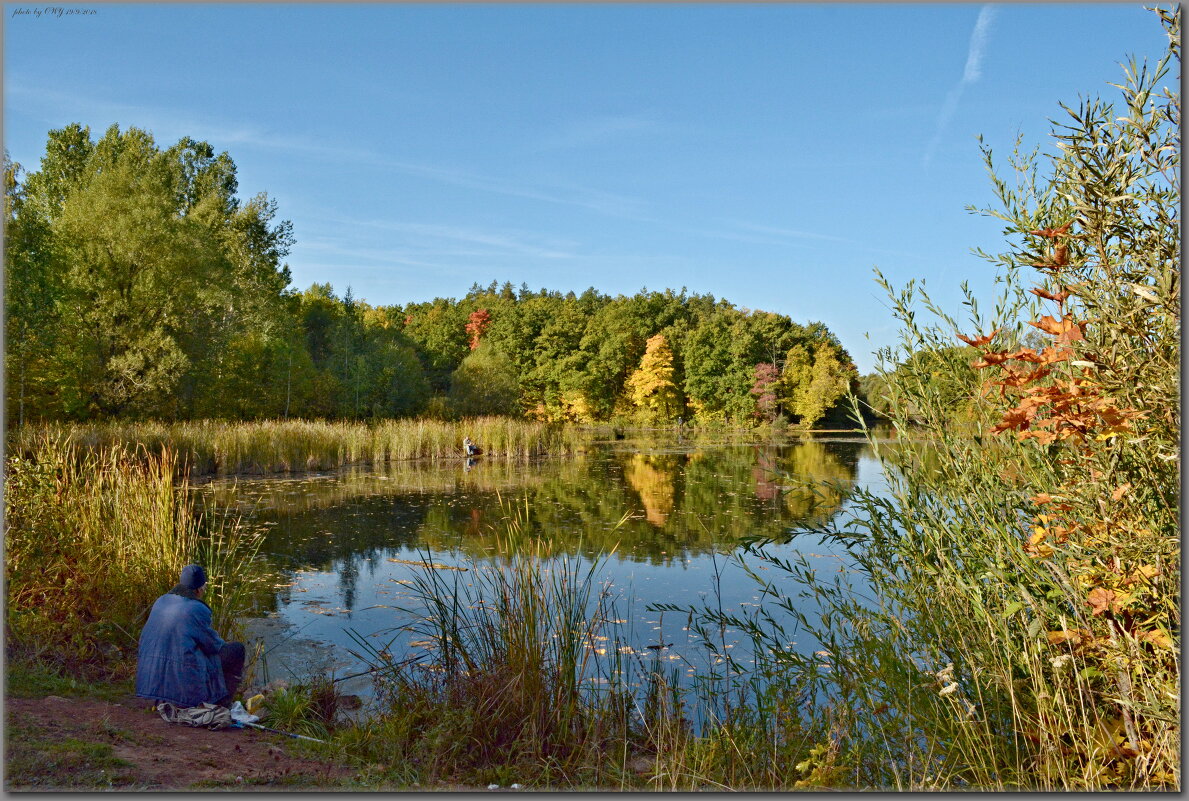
(94, 535)
(505, 689)
(287, 446)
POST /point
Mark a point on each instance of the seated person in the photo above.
(182, 659)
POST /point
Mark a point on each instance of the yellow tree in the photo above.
(651, 388)
(813, 384)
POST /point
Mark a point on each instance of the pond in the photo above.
(659, 515)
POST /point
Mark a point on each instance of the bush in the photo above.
(1015, 621)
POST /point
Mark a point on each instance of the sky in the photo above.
(770, 154)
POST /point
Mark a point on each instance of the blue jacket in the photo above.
(178, 659)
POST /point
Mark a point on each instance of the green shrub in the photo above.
(1012, 617)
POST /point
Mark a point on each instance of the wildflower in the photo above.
(946, 674)
(1059, 662)
(949, 688)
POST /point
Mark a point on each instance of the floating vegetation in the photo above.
(432, 565)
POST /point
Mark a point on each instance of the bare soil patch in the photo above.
(56, 743)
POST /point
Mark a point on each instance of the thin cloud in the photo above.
(428, 243)
(430, 235)
(59, 108)
(789, 237)
(970, 74)
(790, 233)
(752, 233)
(356, 255)
(603, 202)
(597, 131)
(978, 45)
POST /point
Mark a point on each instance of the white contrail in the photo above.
(972, 72)
(978, 43)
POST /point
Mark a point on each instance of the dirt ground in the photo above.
(55, 743)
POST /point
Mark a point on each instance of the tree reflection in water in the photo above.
(685, 501)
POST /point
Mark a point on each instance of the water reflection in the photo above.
(666, 509)
(652, 479)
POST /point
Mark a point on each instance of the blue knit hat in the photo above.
(193, 576)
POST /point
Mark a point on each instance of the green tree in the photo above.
(485, 383)
(611, 347)
(943, 374)
(393, 383)
(438, 332)
(32, 287)
(710, 379)
(817, 376)
(146, 266)
(550, 384)
(136, 269)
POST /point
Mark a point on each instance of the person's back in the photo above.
(181, 658)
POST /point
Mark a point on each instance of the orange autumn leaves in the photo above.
(477, 324)
(1053, 396)
(1051, 408)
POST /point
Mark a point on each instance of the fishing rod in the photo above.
(287, 638)
(287, 734)
(400, 664)
(374, 668)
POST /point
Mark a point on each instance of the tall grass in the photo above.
(93, 536)
(507, 689)
(299, 445)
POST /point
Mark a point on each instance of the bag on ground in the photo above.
(209, 715)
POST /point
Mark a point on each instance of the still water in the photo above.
(661, 515)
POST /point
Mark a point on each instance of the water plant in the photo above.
(509, 683)
(276, 446)
(520, 670)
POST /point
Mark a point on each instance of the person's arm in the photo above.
(205, 635)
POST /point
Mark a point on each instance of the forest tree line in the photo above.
(138, 285)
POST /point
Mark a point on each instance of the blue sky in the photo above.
(771, 154)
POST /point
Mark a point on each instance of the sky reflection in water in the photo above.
(345, 539)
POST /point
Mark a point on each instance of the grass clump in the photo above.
(510, 686)
(523, 677)
(37, 760)
(505, 692)
(26, 678)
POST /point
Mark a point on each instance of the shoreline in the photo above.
(287, 656)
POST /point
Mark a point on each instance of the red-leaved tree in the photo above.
(764, 389)
(478, 322)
